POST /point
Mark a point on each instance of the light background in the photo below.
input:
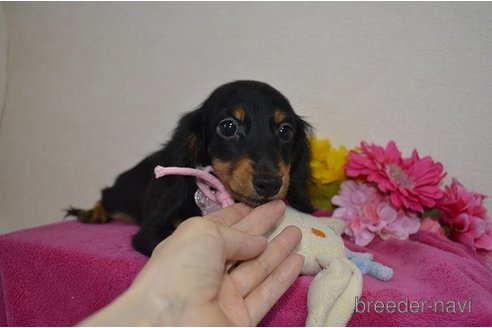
(91, 88)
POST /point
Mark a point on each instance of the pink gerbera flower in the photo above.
(466, 216)
(369, 214)
(411, 183)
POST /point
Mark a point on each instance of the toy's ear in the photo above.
(188, 141)
(300, 173)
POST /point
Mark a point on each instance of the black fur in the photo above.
(158, 205)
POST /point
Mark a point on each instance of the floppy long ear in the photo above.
(300, 174)
(187, 146)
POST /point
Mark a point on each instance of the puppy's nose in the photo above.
(266, 185)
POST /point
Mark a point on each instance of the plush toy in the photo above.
(366, 264)
(337, 281)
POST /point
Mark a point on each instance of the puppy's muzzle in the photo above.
(267, 185)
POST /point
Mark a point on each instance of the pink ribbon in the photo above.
(205, 181)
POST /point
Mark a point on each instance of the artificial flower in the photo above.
(431, 225)
(327, 163)
(411, 183)
(327, 169)
(322, 193)
(368, 213)
(466, 216)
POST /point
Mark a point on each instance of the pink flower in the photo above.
(431, 225)
(368, 214)
(467, 217)
(412, 183)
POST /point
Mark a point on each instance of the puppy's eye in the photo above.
(285, 132)
(227, 128)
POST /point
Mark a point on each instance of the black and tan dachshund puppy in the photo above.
(249, 133)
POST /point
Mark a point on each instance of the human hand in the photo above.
(189, 281)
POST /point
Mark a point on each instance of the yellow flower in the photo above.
(327, 169)
(327, 163)
(321, 194)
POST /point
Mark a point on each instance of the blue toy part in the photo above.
(366, 264)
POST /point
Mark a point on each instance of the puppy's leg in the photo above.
(95, 215)
(152, 232)
(171, 200)
(159, 226)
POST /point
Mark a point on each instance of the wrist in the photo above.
(133, 308)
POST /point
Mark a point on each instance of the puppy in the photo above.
(255, 142)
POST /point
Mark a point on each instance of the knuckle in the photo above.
(193, 224)
(263, 266)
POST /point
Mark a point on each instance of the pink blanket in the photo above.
(58, 274)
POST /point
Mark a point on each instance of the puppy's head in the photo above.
(256, 144)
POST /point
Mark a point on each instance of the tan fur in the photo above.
(279, 116)
(192, 146)
(238, 178)
(97, 214)
(285, 173)
(239, 114)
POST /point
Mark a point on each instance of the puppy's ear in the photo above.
(187, 145)
(300, 174)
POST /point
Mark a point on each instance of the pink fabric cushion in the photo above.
(56, 275)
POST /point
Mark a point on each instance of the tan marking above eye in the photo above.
(279, 116)
(239, 114)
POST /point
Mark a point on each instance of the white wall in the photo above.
(93, 87)
(3, 61)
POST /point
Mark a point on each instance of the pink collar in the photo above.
(211, 194)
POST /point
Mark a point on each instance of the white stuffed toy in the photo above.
(337, 281)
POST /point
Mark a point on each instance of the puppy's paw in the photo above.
(95, 215)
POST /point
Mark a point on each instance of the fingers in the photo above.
(256, 221)
(238, 224)
(261, 281)
(229, 215)
(262, 299)
(239, 245)
(250, 274)
(262, 219)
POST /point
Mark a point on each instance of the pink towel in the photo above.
(58, 274)
(436, 282)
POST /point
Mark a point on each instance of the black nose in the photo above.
(266, 185)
